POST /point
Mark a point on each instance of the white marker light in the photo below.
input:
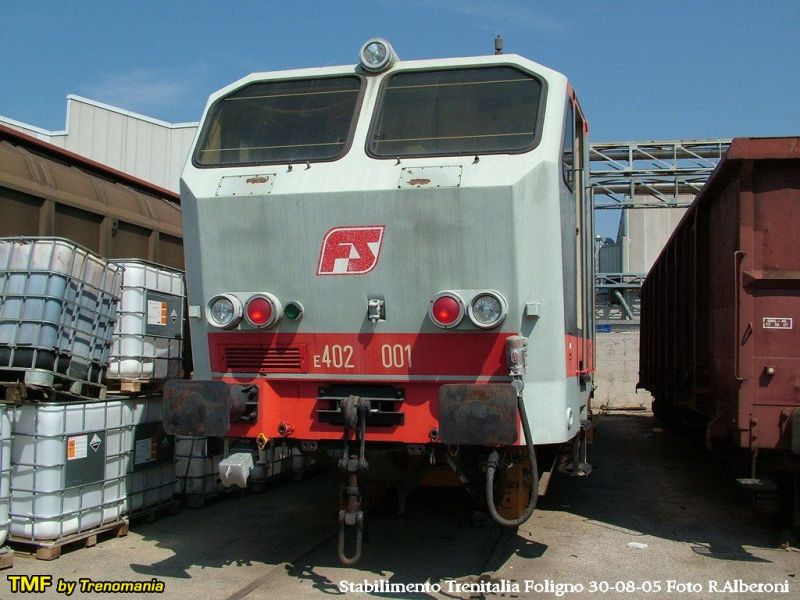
(224, 311)
(376, 55)
(487, 310)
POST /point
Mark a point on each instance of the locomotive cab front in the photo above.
(390, 264)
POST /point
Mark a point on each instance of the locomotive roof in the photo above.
(400, 65)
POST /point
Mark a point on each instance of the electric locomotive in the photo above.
(390, 265)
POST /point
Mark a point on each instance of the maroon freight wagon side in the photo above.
(720, 331)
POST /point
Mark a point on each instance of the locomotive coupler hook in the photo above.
(354, 410)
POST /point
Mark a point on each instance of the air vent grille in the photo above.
(263, 359)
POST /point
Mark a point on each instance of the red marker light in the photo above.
(446, 311)
(259, 311)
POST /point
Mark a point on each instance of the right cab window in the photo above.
(457, 111)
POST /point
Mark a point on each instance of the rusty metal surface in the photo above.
(430, 177)
(197, 407)
(246, 185)
(48, 191)
(721, 305)
(483, 415)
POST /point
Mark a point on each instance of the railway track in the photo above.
(279, 570)
(440, 539)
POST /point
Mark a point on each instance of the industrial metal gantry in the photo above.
(647, 174)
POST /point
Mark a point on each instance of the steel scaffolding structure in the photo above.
(652, 174)
(646, 174)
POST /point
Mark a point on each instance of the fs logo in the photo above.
(350, 250)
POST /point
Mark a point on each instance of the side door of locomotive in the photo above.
(578, 257)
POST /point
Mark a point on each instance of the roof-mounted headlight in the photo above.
(377, 55)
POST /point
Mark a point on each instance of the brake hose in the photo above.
(494, 462)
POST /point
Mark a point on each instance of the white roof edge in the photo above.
(41, 131)
(131, 114)
(23, 125)
(489, 59)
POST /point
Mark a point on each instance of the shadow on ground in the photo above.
(645, 483)
(439, 537)
(650, 480)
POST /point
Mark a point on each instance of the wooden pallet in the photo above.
(151, 513)
(118, 386)
(6, 558)
(51, 549)
(36, 385)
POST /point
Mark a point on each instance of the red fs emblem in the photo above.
(350, 250)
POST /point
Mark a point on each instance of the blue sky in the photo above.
(643, 70)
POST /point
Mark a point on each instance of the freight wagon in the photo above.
(48, 191)
(721, 313)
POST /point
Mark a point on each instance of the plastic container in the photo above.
(151, 474)
(5, 473)
(197, 465)
(69, 465)
(58, 307)
(148, 337)
(280, 464)
(266, 464)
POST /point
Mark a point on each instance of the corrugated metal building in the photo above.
(142, 146)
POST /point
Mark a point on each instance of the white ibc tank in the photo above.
(69, 463)
(148, 337)
(58, 306)
(5, 473)
(151, 476)
(197, 465)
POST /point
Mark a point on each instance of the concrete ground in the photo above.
(654, 489)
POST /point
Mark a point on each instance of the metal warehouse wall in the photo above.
(147, 148)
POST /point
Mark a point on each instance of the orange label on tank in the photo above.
(156, 312)
(77, 447)
(145, 450)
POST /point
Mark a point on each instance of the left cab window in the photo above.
(280, 122)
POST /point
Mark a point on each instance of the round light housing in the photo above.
(446, 310)
(225, 311)
(262, 310)
(376, 55)
(487, 309)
